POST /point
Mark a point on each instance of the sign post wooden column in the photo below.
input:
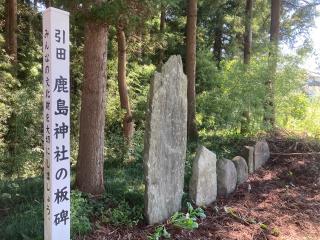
(56, 85)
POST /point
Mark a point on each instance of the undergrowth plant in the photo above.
(188, 220)
(160, 231)
(122, 214)
(182, 220)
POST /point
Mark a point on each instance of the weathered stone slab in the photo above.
(261, 154)
(242, 169)
(203, 183)
(165, 142)
(226, 177)
(248, 154)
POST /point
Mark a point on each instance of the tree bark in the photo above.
(128, 125)
(269, 118)
(89, 176)
(48, 3)
(248, 32)
(11, 30)
(35, 4)
(275, 22)
(191, 67)
(247, 44)
(162, 31)
(217, 46)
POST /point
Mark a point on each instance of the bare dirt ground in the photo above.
(283, 203)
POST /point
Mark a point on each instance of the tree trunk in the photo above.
(35, 4)
(11, 30)
(217, 46)
(269, 118)
(89, 176)
(128, 125)
(191, 67)
(275, 22)
(248, 33)
(162, 31)
(48, 3)
(247, 43)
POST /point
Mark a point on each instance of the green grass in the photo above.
(21, 201)
(22, 210)
(21, 204)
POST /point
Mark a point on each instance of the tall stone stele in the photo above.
(165, 142)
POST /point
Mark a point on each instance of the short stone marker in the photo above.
(165, 142)
(203, 184)
(261, 154)
(242, 169)
(226, 177)
(248, 154)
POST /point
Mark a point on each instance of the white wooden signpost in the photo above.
(56, 85)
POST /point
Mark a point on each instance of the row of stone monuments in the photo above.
(211, 177)
(165, 147)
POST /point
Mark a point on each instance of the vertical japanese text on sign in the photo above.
(56, 84)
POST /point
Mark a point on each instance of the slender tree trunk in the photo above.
(11, 30)
(48, 3)
(11, 50)
(248, 33)
(89, 176)
(162, 31)
(143, 49)
(128, 125)
(269, 117)
(247, 43)
(275, 22)
(35, 4)
(217, 46)
(191, 67)
(137, 54)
